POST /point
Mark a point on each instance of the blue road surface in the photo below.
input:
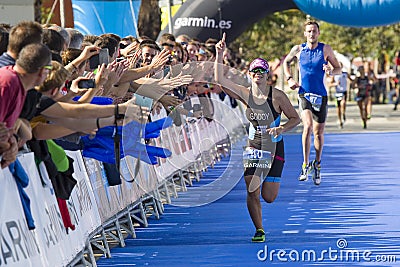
(351, 219)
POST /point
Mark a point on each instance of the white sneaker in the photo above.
(316, 175)
(304, 172)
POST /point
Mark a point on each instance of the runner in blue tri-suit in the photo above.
(313, 59)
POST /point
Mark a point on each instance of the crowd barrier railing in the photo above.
(101, 212)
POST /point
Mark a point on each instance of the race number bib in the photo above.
(339, 96)
(255, 158)
(315, 100)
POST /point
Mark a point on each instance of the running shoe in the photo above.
(304, 172)
(259, 236)
(364, 124)
(316, 176)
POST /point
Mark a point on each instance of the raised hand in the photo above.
(133, 111)
(160, 59)
(170, 100)
(102, 75)
(89, 51)
(130, 49)
(221, 45)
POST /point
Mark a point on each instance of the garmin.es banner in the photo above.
(210, 18)
(204, 22)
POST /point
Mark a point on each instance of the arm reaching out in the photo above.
(286, 67)
(237, 90)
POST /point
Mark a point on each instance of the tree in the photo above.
(149, 22)
(273, 36)
(37, 11)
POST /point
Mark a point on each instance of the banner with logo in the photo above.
(19, 245)
(209, 19)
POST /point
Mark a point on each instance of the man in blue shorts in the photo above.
(315, 61)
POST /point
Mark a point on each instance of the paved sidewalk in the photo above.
(384, 119)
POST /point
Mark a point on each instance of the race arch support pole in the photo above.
(170, 29)
(62, 13)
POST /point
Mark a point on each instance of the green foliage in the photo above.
(274, 36)
(45, 12)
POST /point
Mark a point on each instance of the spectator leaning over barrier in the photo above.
(193, 50)
(75, 37)
(31, 69)
(149, 49)
(3, 41)
(55, 42)
(63, 32)
(63, 126)
(22, 34)
(182, 39)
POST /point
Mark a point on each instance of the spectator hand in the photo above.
(10, 155)
(102, 75)
(130, 49)
(89, 51)
(160, 59)
(75, 88)
(169, 84)
(115, 70)
(327, 68)
(132, 59)
(170, 100)
(4, 132)
(133, 111)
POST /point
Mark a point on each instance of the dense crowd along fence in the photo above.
(100, 212)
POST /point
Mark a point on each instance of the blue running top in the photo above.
(312, 75)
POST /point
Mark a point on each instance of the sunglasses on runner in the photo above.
(260, 70)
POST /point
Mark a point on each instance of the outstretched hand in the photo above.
(221, 45)
(134, 112)
(160, 59)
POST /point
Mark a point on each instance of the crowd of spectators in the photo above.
(58, 85)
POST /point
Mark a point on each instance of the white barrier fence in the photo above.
(96, 209)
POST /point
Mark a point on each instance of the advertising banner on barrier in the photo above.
(100, 187)
(52, 236)
(128, 177)
(82, 203)
(49, 244)
(19, 245)
(58, 245)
